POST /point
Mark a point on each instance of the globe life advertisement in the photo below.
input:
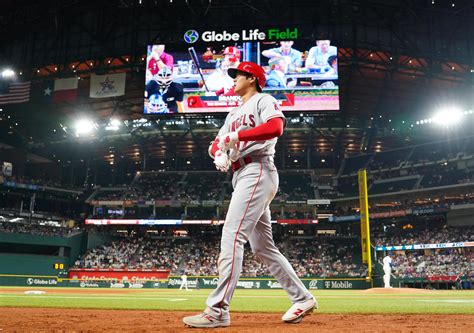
(190, 75)
(192, 36)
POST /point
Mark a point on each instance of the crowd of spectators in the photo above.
(134, 253)
(200, 257)
(324, 258)
(299, 185)
(422, 235)
(154, 185)
(37, 181)
(436, 164)
(413, 156)
(433, 263)
(111, 194)
(430, 201)
(36, 229)
(200, 185)
(117, 255)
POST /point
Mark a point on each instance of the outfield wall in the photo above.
(175, 282)
(38, 254)
(24, 264)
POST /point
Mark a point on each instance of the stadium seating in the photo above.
(393, 185)
(202, 186)
(198, 256)
(390, 159)
(353, 164)
(439, 263)
(295, 186)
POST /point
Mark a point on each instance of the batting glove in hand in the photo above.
(234, 155)
(222, 161)
(228, 141)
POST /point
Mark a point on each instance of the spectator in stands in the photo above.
(318, 56)
(286, 51)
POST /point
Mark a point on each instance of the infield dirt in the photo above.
(70, 320)
(73, 320)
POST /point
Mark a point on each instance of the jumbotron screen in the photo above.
(192, 78)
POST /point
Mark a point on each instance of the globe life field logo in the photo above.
(191, 36)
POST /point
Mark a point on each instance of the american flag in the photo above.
(14, 92)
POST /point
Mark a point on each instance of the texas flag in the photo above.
(64, 90)
(44, 92)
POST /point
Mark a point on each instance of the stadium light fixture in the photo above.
(113, 125)
(84, 127)
(7, 73)
(448, 116)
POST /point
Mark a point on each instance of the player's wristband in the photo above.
(213, 148)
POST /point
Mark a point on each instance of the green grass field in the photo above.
(337, 301)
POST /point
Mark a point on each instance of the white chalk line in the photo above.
(121, 297)
(447, 300)
(93, 297)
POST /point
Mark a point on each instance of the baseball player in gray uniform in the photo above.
(246, 143)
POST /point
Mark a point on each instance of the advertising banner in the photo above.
(96, 274)
(423, 246)
(174, 282)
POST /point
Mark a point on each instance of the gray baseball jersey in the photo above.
(259, 109)
(248, 218)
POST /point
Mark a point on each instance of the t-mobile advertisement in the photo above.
(301, 75)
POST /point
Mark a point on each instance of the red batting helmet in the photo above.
(234, 51)
(250, 68)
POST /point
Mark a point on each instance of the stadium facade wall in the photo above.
(24, 255)
(25, 264)
(461, 215)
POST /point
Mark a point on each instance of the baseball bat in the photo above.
(195, 59)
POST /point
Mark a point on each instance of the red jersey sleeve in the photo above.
(266, 131)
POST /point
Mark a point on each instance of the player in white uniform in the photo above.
(387, 268)
(247, 143)
(184, 282)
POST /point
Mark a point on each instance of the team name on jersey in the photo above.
(245, 120)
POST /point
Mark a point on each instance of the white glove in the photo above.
(222, 161)
(234, 155)
(228, 141)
